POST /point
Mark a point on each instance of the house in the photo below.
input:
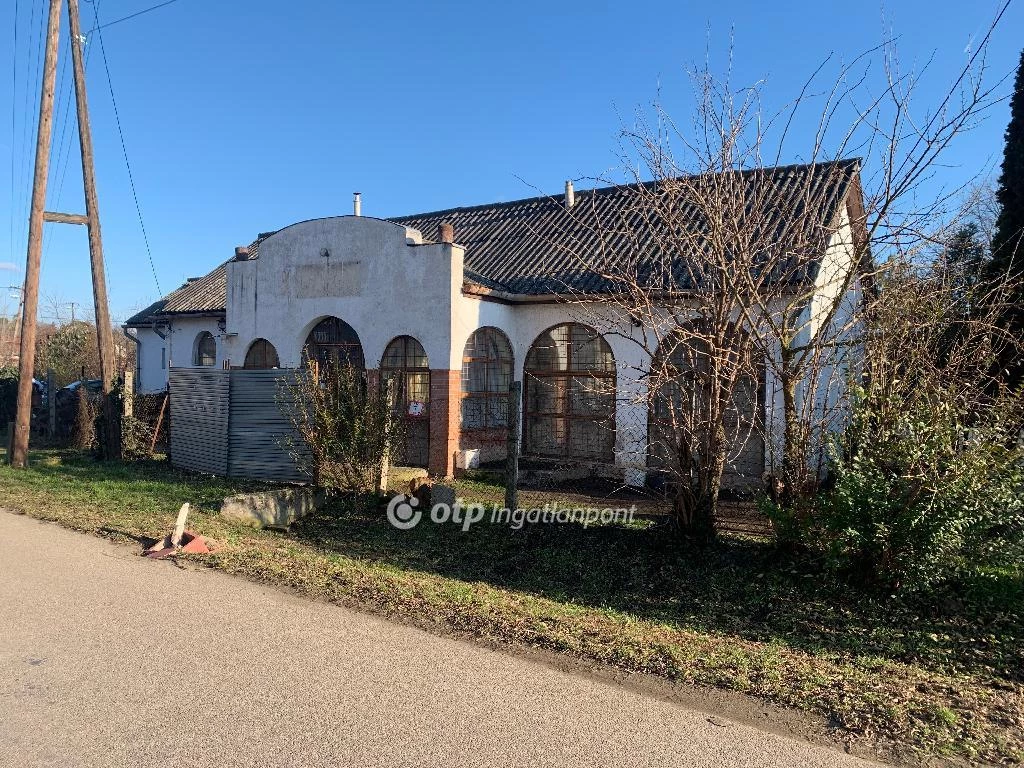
(457, 304)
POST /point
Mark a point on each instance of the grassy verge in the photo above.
(943, 677)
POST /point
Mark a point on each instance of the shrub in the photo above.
(343, 426)
(83, 428)
(136, 437)
(924, 492)
(8, 394)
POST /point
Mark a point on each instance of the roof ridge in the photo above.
(852, 161)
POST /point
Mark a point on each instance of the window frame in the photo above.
(198, 354)
(266, 345)
(561, 380)
(488, 400)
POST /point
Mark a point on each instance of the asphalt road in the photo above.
(107, 659)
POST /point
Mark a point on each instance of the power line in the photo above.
(13, 122)
(125, 18)
(29, 115)
(64, 149)
(63, 107)
(124, 146)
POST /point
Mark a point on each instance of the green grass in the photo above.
(943, 676)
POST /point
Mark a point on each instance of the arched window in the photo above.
(333, 341)
(486, 375)
(405, 363)
(570, 395)
(261, 355)
(204, 351)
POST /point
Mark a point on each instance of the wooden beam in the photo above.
(18, 455)
(65, 218)
(104, 333)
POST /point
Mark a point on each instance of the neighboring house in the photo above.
(456, 304)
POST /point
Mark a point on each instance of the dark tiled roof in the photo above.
(198, 296)
(538, 246)
(534, 246)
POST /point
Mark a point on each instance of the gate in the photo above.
(228, 422)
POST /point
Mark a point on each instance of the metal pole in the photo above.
(18, 456)
(515, 404)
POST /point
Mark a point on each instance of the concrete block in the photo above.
(442, 494)
(272, 509)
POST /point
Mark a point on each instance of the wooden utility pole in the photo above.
(92, 211)
(18, 455)
(112, 442)
(104, 334)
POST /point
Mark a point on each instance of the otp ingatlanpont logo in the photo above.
(402, 512)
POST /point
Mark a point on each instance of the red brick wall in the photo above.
(444, 421)
(493, 443)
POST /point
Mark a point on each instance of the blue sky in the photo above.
(241, 117)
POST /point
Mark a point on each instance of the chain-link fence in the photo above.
(581, 446)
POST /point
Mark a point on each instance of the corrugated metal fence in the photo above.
(229, 423)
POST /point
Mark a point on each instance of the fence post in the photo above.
(129, 394)
(515, 404)
(51, 403)
(385, 460)
(159, 423)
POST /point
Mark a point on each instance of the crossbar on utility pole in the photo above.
(18, 455)
(65, 218)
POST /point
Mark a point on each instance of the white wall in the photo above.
(157, 355)
(373, 274)
(830, 314)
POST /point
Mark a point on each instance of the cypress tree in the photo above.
(1008, 240)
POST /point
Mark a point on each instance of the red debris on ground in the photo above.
(190, 542)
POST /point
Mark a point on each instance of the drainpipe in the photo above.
(138, 349)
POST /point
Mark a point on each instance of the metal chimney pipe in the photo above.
(357, 204)
(570, 194)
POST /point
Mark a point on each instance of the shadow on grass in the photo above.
(736, 586)
(78, 473)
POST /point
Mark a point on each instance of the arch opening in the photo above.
(569, 410)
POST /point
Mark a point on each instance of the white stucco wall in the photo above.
(830, 313)
(373, 274)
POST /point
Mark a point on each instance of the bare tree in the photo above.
(725, 265)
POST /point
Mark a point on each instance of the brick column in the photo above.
(444, 421)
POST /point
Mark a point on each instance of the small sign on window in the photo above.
(417, 408)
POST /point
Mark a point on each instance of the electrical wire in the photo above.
(14, 113)
(124, 148)
(29, 119)
(126, 18)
